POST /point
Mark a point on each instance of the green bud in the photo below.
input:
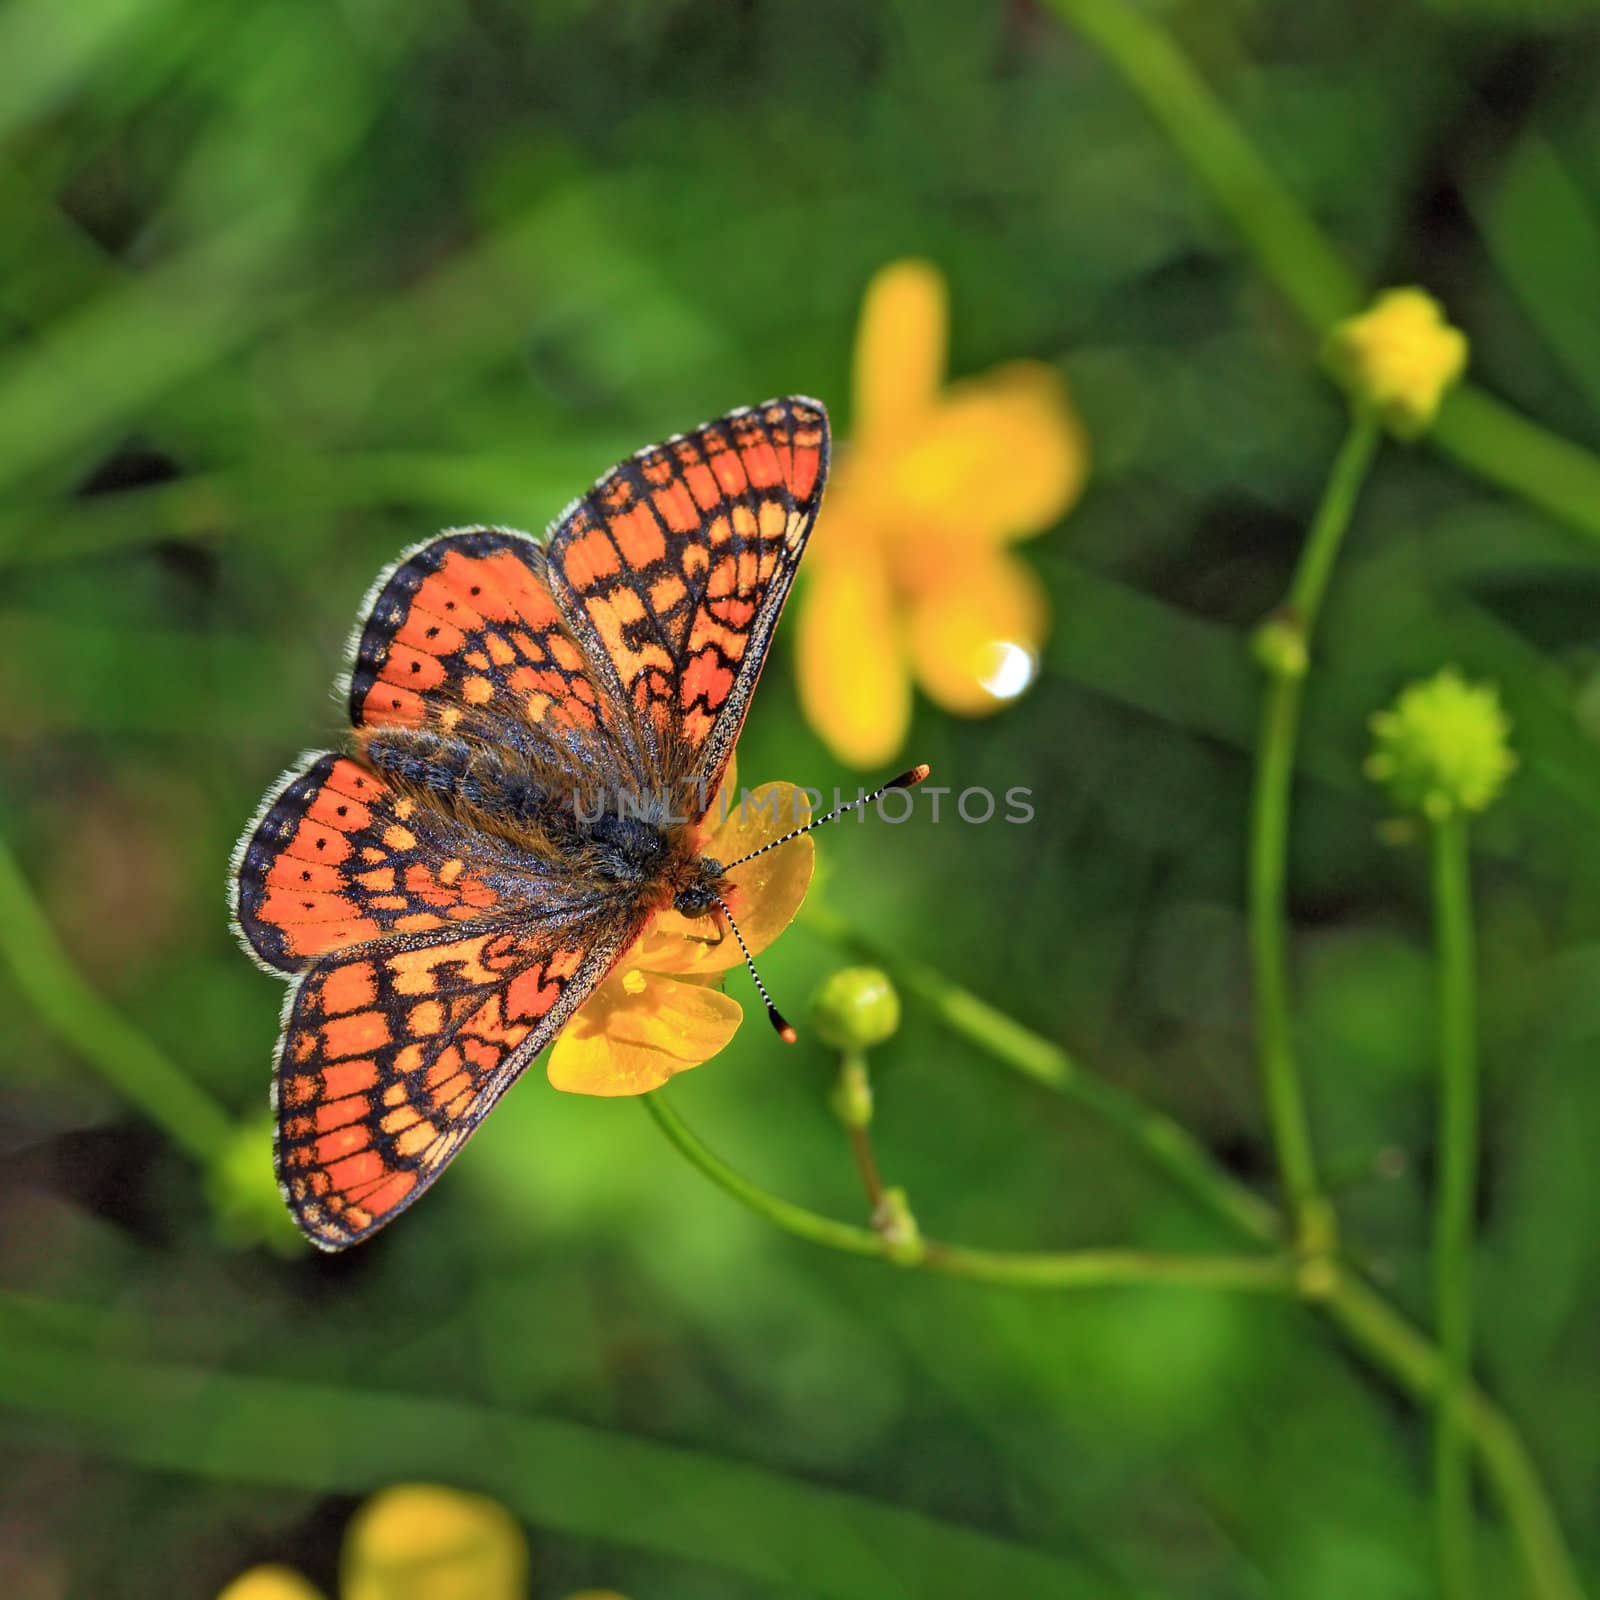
(852, 1093)
(1279, 646)
(245, 1204)
(894, 1223)
(856, 1008)
(1442, 749)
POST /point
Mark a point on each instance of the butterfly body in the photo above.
(538, 729)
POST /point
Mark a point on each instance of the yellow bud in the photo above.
(419, 1542)
(245, 1204)
(1442, 749)
(1398, 359)
(856, 1008)
(270, 1583)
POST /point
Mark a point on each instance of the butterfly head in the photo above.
(702, 885)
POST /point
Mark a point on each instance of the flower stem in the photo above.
(87, 1024)
(1482, 433)
(1455, 1201)
(1367, 1321)
(1269, 847)
(1077, 1269)
(1167, 1145)
(1373, 1326)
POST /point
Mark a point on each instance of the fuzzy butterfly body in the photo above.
(538, 728)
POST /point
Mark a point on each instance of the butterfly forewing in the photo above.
(673, 569)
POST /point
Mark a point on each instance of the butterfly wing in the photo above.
(336, 858)
(672, 570)
(393, 1053)
(463, 639)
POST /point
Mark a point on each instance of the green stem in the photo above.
(1456, 1200)
(1167, 1145)
(1077, 1269)
(1481, 432)
(1269, 844)
(1369, 1323)
(1397, 1348)
(87, 1024)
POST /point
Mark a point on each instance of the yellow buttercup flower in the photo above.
(1398, 358)
(413, 1542)
(910, 570)
(657, 1013)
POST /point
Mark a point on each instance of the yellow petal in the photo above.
(637, 1030)
(420, 1542)
(1003, 457)
(270, 1583)
(900, 344)
(854, 688)
(976, 635)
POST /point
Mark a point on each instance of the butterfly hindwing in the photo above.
(672, 571)
(394, 1053)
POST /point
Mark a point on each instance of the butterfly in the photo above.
(538, 728)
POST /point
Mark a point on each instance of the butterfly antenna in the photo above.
(907, 780)
(780, 1023)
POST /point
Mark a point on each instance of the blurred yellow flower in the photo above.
(413, 1542)
(1398, 358)
(658, 1013)
(910, 574)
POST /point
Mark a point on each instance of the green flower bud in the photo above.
(1442, 749)
(1397, 359)
(856, 1008)
(894, 1223)
(1279, 646)
(852, 1094)
(245, 1204)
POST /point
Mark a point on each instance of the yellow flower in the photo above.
(658, 1012)
(413, 1542)
(910, 573)
(1398, 358)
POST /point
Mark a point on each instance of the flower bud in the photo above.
(1397, 359)
(246, 1207)
(419, 1542)
(856, 1008)
(1279, 646)
(1442, 749)
(270, 1583)
(894, 1223)
(852, 1093)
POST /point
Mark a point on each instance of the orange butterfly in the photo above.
(539, 729)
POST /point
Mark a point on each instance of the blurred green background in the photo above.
(286, 285)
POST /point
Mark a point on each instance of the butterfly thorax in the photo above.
(628, 847)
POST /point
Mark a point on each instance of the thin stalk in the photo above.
(1276, 749)
(1482, 433)
(1077, 1269)
(1366, 1320)
(1167, 1145)
(1455, 1201)
(91, 1027)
